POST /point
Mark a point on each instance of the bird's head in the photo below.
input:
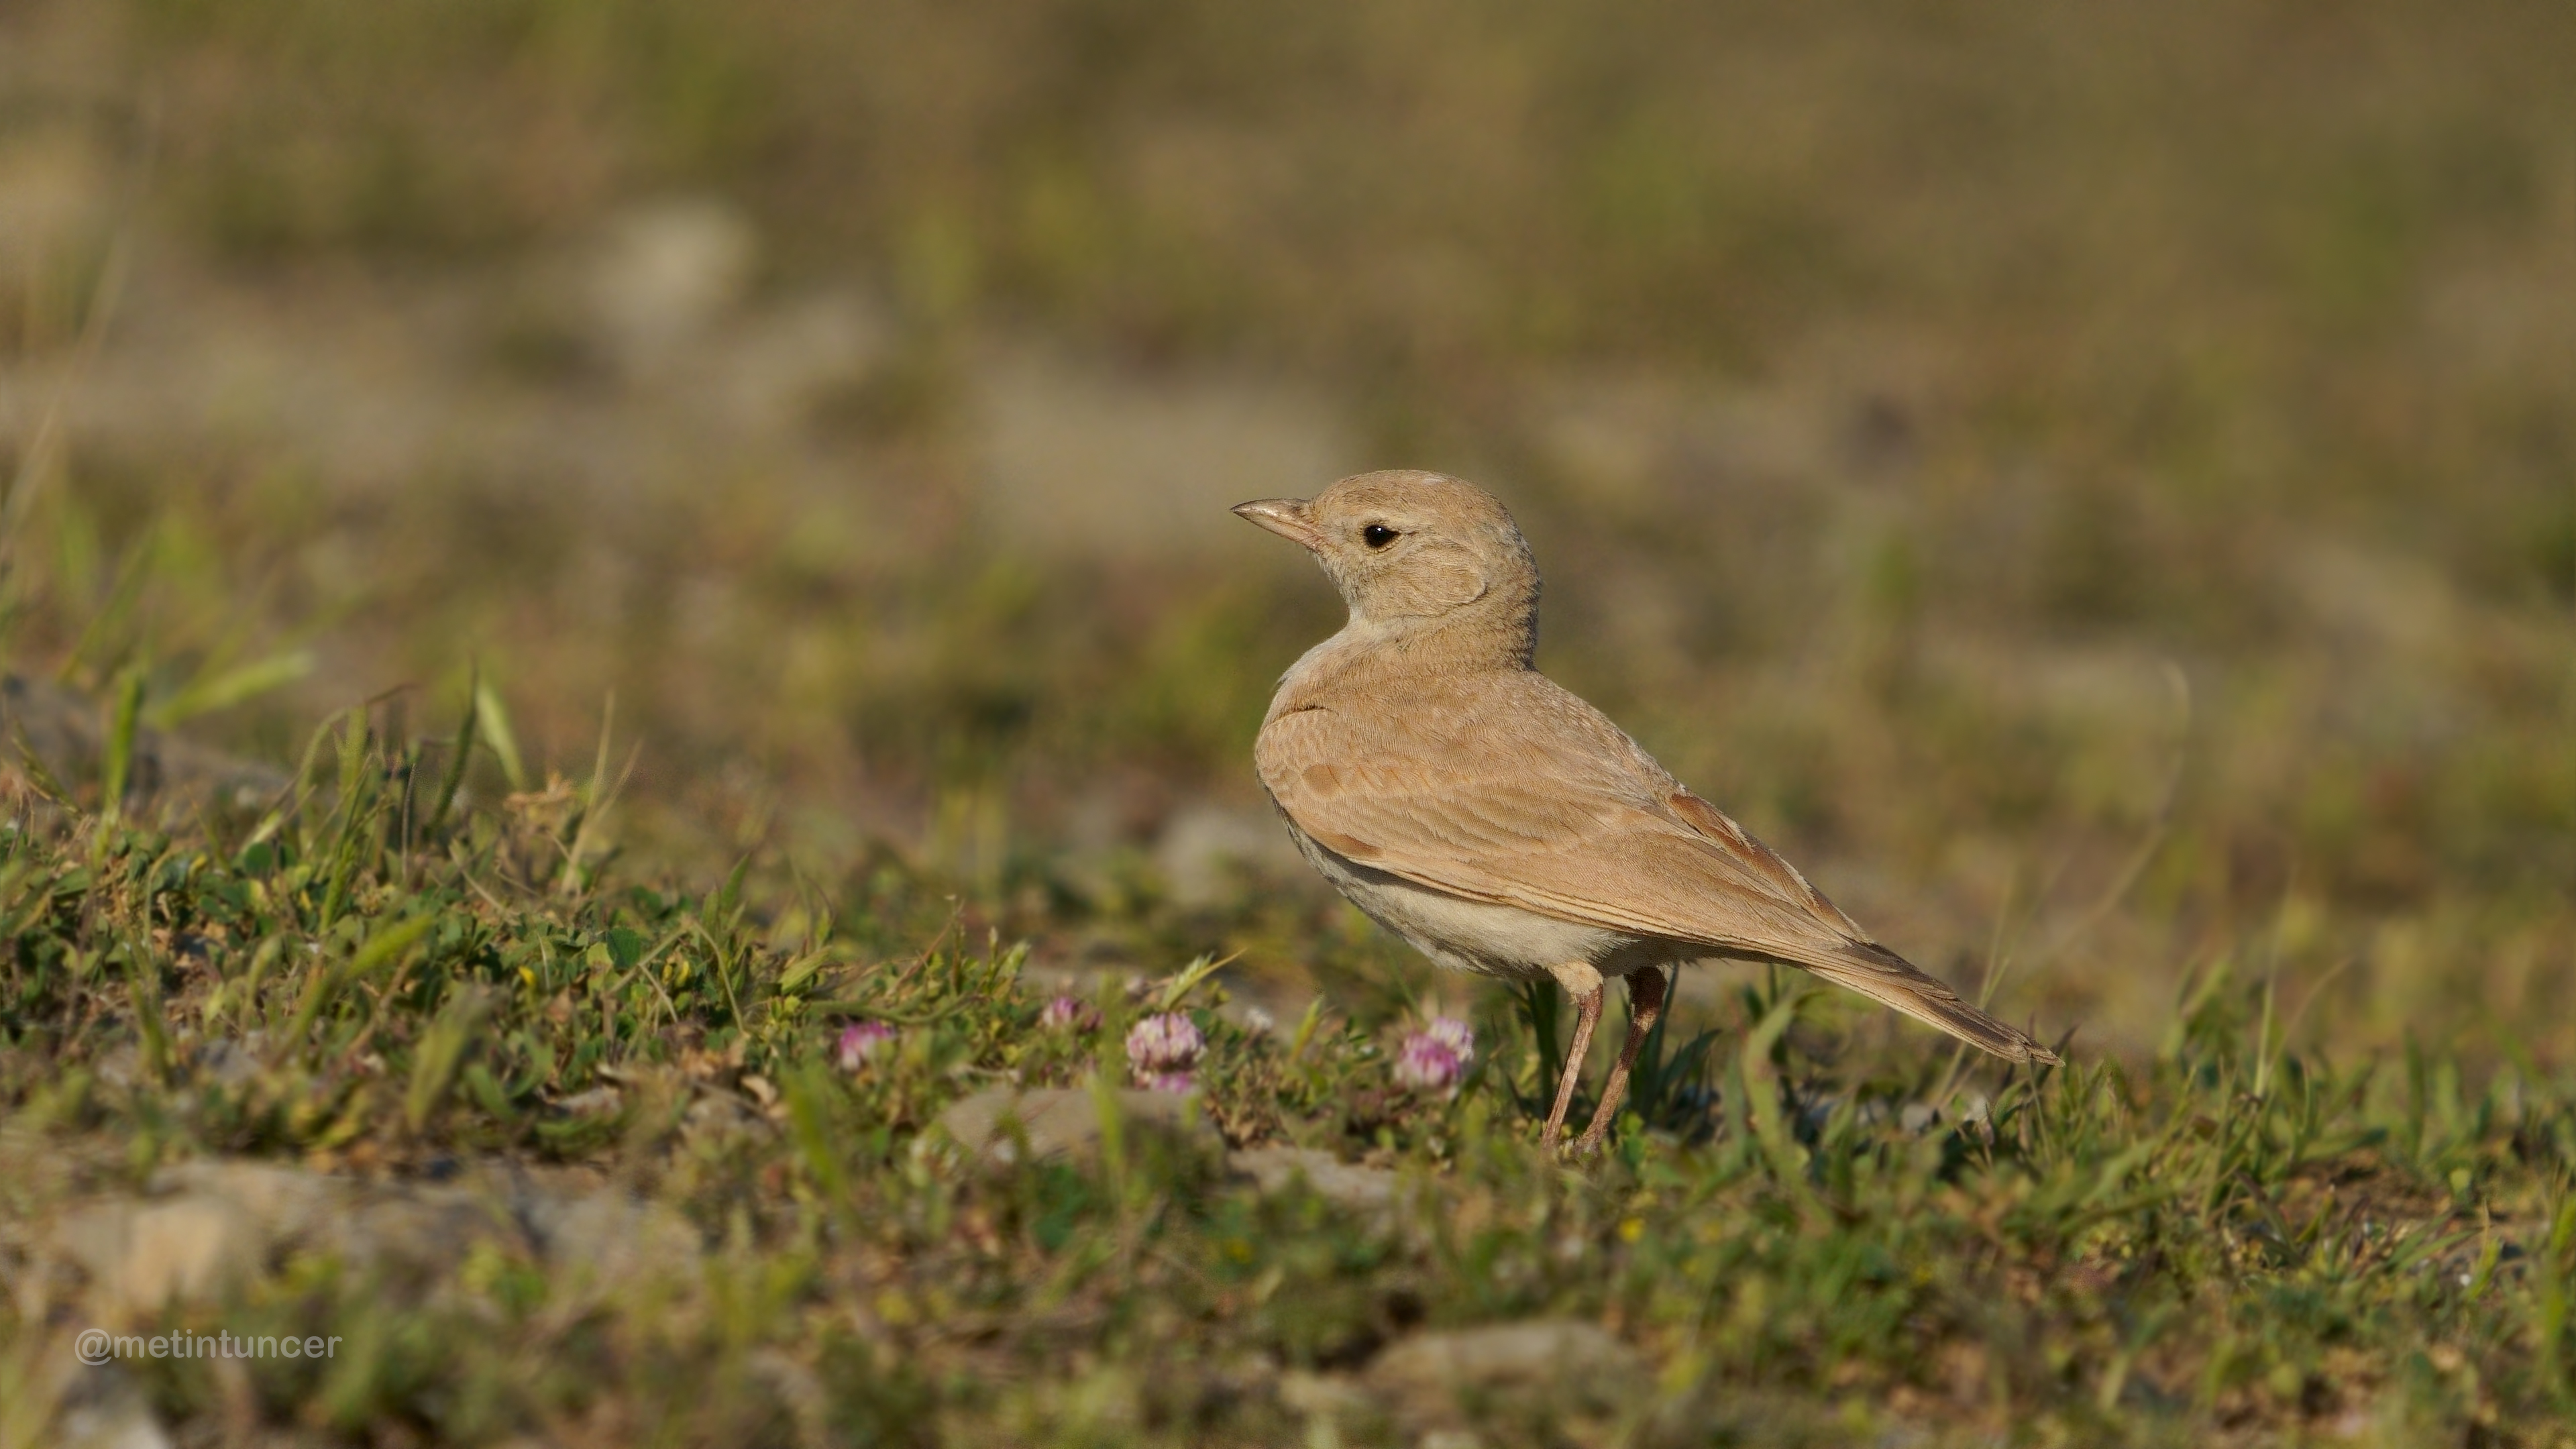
(1412, 551)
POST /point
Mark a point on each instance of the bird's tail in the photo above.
(1883, 976)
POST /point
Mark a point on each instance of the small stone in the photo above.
(609, 1236)
(285, 1201)
(144, 1257)
(226, 1063)
(104, 1409)
(223, 1222)
(61, 728)
(720, 1113)
(1558, 1364)
(1063, 1122)
(1360, 1189)
(1321, 1395)
(665, 273)
(1206, 852)
(602, 1101)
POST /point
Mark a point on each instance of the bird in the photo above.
(1501, 825)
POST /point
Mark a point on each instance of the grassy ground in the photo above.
(1807, 1234)
(2091, 486)
(1894, 399)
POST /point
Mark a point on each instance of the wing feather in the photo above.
(1539, 802)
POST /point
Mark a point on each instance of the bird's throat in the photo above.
(1390, 656)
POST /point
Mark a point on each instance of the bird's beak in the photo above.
(1285, 517)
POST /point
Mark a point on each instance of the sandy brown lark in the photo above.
(1475, 808)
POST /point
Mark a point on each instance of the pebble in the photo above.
(1348, 1185)
(1064, 1122)
(211, 1225)
(1563, 1364)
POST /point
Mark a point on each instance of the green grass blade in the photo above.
(214, 690)
(116, 763)
(442, 1051)
(495, 723)
(460, 756)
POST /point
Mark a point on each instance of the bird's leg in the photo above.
(1645, 1005)
(1583, 984)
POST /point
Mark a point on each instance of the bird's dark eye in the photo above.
(1377, 535)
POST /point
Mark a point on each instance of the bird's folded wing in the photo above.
(1553, 827)
(1545, 825)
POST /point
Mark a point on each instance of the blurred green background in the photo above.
(2095, 484)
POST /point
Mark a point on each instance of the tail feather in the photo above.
(1887, 978)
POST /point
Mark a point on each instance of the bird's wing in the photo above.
(1542, 804)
